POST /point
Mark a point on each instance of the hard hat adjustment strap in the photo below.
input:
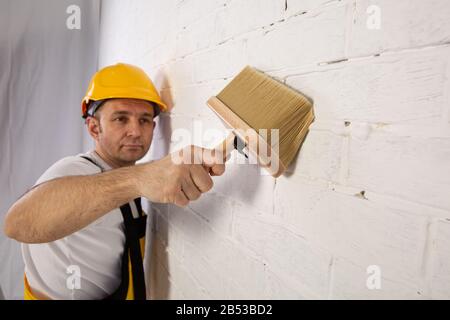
(93, 106)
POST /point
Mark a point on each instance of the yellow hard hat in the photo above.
(121, 81)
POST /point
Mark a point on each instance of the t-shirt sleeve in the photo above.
(69, 166)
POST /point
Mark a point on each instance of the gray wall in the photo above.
(44, 71)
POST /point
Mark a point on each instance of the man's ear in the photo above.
(93, 126)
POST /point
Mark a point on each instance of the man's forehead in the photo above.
(130, 106)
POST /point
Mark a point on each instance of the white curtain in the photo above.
(48, 52)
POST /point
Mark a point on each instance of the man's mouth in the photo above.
(133, 146)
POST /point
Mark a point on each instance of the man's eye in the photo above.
(121, 119)
(145, 120)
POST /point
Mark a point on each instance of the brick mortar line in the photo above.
(325, 66)
(248, 251)
(425, 271)
(242, 36)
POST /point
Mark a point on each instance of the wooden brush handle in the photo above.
(223, 150)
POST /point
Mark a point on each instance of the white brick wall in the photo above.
(371, 184)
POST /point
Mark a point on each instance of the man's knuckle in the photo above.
(209, 185)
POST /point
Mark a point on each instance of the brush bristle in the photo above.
(264, 103)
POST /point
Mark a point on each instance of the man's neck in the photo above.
(113, 164)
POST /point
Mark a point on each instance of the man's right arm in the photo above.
(62, 206)
(59, 207)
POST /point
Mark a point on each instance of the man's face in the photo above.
(123, 130)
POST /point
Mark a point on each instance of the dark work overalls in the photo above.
(132, 285)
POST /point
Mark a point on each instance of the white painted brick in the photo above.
(186, 222)
(302, 40)
(319, 156)
(406, 87)
(158, 74)
(397, 203)
(161, 271)
(247, 274)
(154, 30)
(230, 20)
(207, 276)
(238, 17)
(295, 199)
(363, 232)
(168, 236)
(223, 61)
(405, 167)
(180, 72)
(227, 266)
(277, 289)
(440, 272)
(254, 237)
(191, 100)
(216, 210)
(175, 293)
(295, 7)
(112, 41)
(170, 267)
(190, 11)
(143, 15)
(245, 183)
(214, 248)
(197, 36)
(350, 282)
(140, 16)
(173, 73)
(285, 253)
(208, 132)
(161, 53)
(226, 256)
(404, 24)
(236, 271)
(187, 284)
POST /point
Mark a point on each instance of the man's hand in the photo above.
(181, 176)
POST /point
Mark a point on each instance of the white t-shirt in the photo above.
(94, 251)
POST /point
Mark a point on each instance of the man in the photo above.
(82, 225)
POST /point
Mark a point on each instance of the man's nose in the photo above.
(134, 128)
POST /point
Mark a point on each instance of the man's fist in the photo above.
(181, 176)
